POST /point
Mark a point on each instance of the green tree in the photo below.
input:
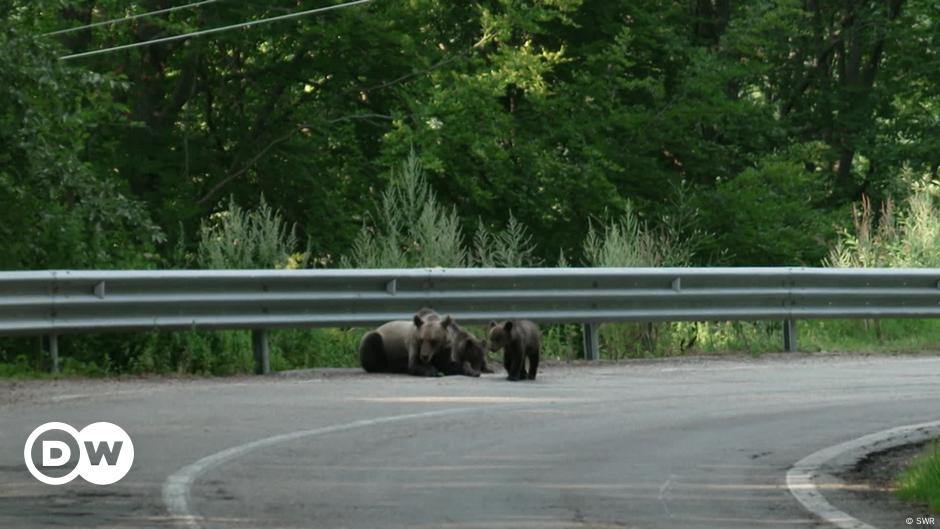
(554, 111)
(63, 210)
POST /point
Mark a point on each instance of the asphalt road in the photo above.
(694, 443)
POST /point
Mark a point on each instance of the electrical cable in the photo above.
(213, 30)
(129, 18)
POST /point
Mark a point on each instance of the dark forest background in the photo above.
(753, 126)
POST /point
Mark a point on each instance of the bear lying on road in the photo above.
(403, 346)
(467, 352)
(519, 340)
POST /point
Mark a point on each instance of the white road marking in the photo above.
(480, 399)
(663, 498)
(800, 478)
(176, 488)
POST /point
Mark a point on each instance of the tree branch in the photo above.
(232, 176)
(429, 69)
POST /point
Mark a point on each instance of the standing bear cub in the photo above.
(519, 339)
(403, 346)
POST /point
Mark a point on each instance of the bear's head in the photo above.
(499, 335)
(470, 349)
(431, 335)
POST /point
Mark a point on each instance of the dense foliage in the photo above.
(767, 117)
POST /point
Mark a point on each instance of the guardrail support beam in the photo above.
(591, 342)
(50, 343)
(259, 344)
(789, 336)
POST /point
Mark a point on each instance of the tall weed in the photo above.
(631, 242)
(410, 228)
(905, 237)
(511, 247)
(241, 239)
(234, 238)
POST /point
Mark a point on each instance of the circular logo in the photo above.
(28, 454)
(104, 452)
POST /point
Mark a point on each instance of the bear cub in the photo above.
(468, 352)
(519, 340)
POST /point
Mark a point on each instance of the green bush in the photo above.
(921, 481)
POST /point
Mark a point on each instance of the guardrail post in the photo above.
(259, 344)
(591, 341)
(50, 343)
(789, 336)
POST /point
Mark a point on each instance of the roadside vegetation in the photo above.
(396, 235)
(921, 481)
(437, 133)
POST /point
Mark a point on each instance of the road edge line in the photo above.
(801, 475)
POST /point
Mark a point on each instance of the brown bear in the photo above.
(467, 352)
(519, 339)
(403, 346)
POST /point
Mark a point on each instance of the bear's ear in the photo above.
(446, 321)
(492, 323)
(507, 326)
(418, 321)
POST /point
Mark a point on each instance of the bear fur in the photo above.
(468, 352)
(519, 340)
(403, 346)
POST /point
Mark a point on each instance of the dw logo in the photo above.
(102, 453)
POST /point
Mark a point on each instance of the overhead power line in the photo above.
(214, 30)
(130, 17)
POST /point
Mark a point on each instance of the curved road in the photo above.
(690, 443)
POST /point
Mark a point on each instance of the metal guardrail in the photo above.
(51, 303)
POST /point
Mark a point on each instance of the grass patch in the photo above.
(870, 336)
(212, 353)
(311, 348)
(921, 481)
